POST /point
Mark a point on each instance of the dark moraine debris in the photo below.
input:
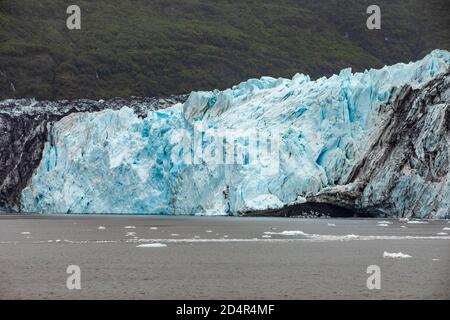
(24, 127)
(310, 209)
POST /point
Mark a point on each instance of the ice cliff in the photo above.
(372, 142)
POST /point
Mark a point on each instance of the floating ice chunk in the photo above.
(332, 225)
(395, 255)
(25, 232)
(436, 259)
(288, 233)
(130, 227)
(152, 245)
(213, 212)
(442, 234)
(101, 228)
(264, 202)
(153, 228)
(130, 234)
(384, 222)
(174, 234)
(403, 227)
(208, 231)
(417, 222)
(266, 236)
(446, 228)
(350, 237)
(383, 225)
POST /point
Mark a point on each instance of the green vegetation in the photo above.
(161, 47)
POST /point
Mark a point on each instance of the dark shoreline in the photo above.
(313, 210)
(305, 210)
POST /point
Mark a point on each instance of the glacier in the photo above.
(264, 144)
(24, 127)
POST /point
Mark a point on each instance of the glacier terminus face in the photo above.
(263, 144)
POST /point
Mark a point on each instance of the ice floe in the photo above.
(152, 245)
(395, 255)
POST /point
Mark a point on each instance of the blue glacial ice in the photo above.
(262, 144)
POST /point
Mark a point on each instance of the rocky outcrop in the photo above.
(24, 127)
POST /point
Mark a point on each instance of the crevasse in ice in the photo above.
(259, 145)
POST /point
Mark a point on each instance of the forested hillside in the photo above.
(162, 47)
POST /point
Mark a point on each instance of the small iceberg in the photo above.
(152, 245)
(395, 255)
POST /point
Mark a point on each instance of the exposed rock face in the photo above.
(406, 170)
(22, 140)
(24, 126)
